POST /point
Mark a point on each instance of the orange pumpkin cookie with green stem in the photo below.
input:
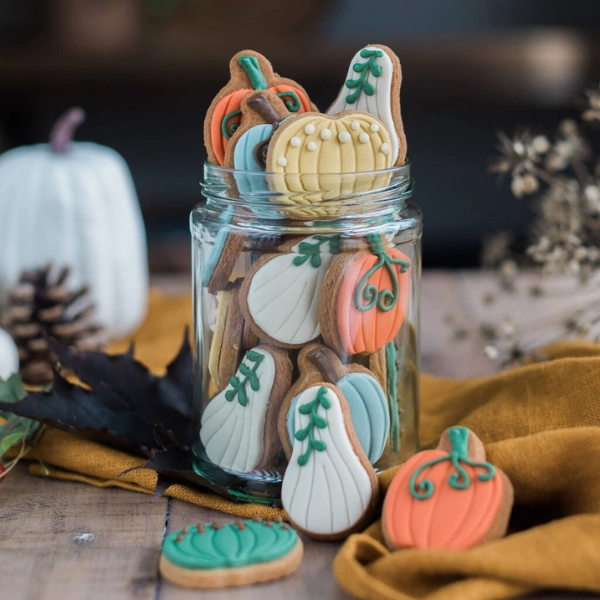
(365, 298)
(249, 71)
(448, 498)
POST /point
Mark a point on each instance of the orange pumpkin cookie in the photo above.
(249, 71)
(364, 298)
(448, 498)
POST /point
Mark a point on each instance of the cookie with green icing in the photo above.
(217, 555)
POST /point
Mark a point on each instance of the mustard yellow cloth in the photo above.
(540, 425)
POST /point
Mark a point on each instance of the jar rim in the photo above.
(403, 169)
(306, 196)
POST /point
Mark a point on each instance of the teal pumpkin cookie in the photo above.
(244, 552)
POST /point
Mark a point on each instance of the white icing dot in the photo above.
(325, 134)
(282, 161)
(385, 148)
(355, 125)
(311, 146)
(344, 137)
(374, 127)
(295, 141)
(308, 129)
(363, 137)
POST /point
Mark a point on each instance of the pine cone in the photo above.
(39, 307)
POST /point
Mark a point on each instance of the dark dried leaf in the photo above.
(127, 407)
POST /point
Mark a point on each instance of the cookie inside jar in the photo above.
(306, 269)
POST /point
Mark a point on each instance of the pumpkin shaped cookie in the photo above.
(281, 293)
(239, 425)
(219, 555)
(249, 71)
(329, 488)
(309, 151)
(361, 390)
(447, 498)
(373, 85)
(365, 298)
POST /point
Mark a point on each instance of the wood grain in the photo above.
(72, 541)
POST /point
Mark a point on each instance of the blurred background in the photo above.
(146, 71)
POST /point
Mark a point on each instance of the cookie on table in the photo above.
(448, 498)
(238, 427)
(249, 71)
(329, 488)
(280, 294)
(373, 85)
(365, 397)
(364, 298)
(212, 555)
(321, 145)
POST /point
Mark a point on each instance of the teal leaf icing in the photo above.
(312, 250)
(369, 67)
(238, 386)
(246, 542)
(217, 250)
(368, 295)
(310, 408)
(459, 480)
(368, 411)
(392, 394)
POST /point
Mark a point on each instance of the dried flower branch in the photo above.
(564, 175)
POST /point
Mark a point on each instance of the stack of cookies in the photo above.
(303, 354)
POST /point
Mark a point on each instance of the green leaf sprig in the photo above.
(314, 421)
(238, 387)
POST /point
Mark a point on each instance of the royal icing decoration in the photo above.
(283, 294)
(391, 372)
(233, 423)
(447, 498)
(245, 542)
(373, 85)
(326, 489)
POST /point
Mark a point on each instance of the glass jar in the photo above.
(301, 280)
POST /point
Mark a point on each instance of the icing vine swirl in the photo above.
(460, 480)
(369, 67)
(238, 388)
(367, 294)
(314, 421)
(312, 251)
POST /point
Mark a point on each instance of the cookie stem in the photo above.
(252, 68)
(330, 365)
(260, 104)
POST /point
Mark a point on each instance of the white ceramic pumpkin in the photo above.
(9, 356)
(74, 204)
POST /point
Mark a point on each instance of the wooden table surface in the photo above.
(71, 541)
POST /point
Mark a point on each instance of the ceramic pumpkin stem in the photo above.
(460, 480)
(331, 368)
(63, 130)
(368, 295)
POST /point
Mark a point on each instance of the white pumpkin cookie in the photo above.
(329, 488)
(308, 153)
(373, 85)
(238, 427)
(280, 295)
